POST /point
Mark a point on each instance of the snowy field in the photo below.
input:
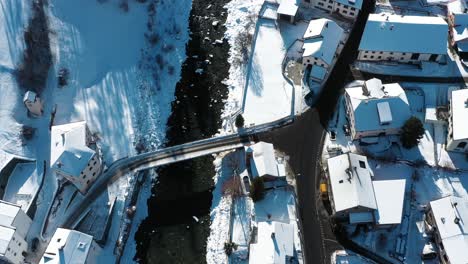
(114, 85)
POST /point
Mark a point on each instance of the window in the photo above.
(338, 4)
(330, 1)
(308, 60)
(320, 4)
(391, 53)
(94, 174)
(366, 51)
(87, 182)
(8, 249)
(345, 12)
(380, 57)
(351, 13)
(95, 163)
(341, 181)
(445, 258)
(415, 56)
(362, 164)
(365, 56)
(381, 52)
(403, 53)
(330, 7)
(461, 145)
(13, 238)
(433, 57)
(371, 57)
(352, 8)
(322, 65)
(14, 254)
(19, 244)
(307, 1)
(84, 176)
(58, 239)
(373, 52)
(90, 168)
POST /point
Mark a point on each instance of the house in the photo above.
(322, 41)
(261, 161)
(357, 199)
(350, 188)
(14, 226)
(375, 109)
(407, 39)
(71, 247)
(346, 8)
(275, 244)
(33, 103)
(447, 217)
(457, 138)
(71, 155)
(457, 18)
(287, 10)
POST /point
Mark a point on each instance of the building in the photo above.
(457, 138)
(375, 109)
(275, 244)
(14, 226)
(408, 39)
(448, 219)
(322, 42)
(357, 199)
(457, 18)
(71, 247)
(287, 10)
(350, 188)
(33, 103)
(71, 155)
(346, 8)
(261, 161)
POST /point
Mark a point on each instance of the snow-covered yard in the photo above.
(429, 170)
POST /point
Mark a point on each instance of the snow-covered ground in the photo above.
(232, 219)
(348, 257)
(431, 172)
(114, 85)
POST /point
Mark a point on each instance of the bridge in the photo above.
(163, 157)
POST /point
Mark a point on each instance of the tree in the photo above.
(229, 247)
(257, 189)
(239, 121)
(411, 132)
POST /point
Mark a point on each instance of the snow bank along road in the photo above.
(165, 156)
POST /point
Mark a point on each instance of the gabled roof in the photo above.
(272, 249)
(412, 34)
(365, 102)
(321, 39)
(69, 152)
(68, 246)
(350, 182)
(459, 109)
(264, 161)
(454, 235)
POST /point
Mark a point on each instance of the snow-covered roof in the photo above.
(6, 234)
(378, 106)
(68, 246)
(459, 109)
(275, 242)
(29, 96)
(350, 182)
(353, 3)
(389, 195)
(451, 217)
(415, 34)
(288, 7)
(318, 72)
(5, 159)
(8, 213)
(264, 161)
(69, 152)
(321, 39)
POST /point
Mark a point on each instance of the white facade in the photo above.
(375, 109)
(408, 39)
(347, 8)
(322, 42)
(33, 103)
(448, 218)
(457, 138)
(71, 247)
(71, 156)
(457, 17)
(14, 226)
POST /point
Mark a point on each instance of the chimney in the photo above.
(456, 220)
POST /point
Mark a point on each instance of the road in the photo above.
(163, 157)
